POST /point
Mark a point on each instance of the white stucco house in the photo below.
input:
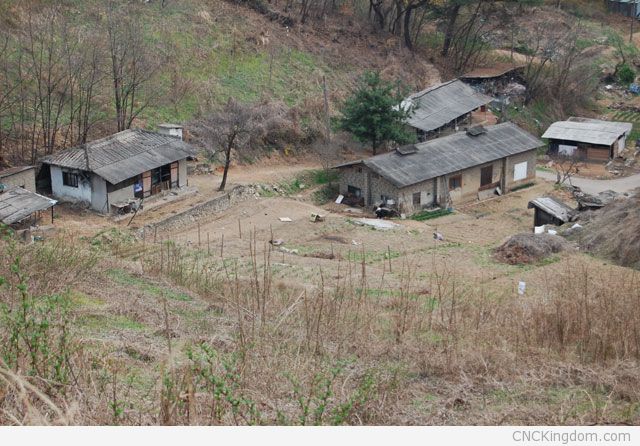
(109, 173)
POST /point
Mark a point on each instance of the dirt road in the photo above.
(592, 186)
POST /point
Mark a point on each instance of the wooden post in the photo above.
(326, 107)
(239, 229)
(199, 240)
(222, 246)
(208, 245)
(155, 234)
(389, 255)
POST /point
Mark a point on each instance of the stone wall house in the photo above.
(455, 169)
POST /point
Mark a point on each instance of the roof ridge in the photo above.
(433, 88)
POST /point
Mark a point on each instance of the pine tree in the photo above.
(373, 113)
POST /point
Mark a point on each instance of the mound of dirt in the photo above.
(529, 248)
(613, 232)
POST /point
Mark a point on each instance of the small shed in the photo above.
(587, 139)
(629, 8)
(549, 211)
(21, 176)
(20, 208)
(443, 105)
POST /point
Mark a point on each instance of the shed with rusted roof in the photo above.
(111, 172)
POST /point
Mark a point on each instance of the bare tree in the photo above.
(228, 130)
(132, 65)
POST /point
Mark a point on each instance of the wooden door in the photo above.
(146, 183)
(174, 174)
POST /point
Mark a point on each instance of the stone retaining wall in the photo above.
(204, 210)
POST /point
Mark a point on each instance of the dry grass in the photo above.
(242, 348)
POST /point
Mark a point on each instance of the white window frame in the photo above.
(520, 171)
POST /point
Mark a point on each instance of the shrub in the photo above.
(626, 75)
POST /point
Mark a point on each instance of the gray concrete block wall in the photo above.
(25, 179)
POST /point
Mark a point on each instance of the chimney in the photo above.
(174, 130)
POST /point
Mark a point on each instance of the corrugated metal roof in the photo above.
(451, 153)
(590, 131)
(17, 204)
(123, 155)
(14, 170)
(553, 207)
(439, 105)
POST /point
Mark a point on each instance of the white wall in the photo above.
(68, 193)
(99, 194)
(182, 172)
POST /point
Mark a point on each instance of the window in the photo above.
(359, 170)
(70, 179)
(486, 175)
(355, 191)
(455, 182)
(416, 199)
(520, 171)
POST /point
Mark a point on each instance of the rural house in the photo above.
(443, 106)
(110, 173)
(587, 139)
(462, 167)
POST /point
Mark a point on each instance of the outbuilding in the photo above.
(469, 165)
(587, 139)
(21, 208)
(110, 173)
(443, 106)
(549, 211)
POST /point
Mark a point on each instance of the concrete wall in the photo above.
(82, 193)
(182, 173)
(25, 179)
(121, 194)
(530, 158)
(99, 194)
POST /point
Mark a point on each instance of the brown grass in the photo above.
(433, 350)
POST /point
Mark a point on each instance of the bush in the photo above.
(626, 75)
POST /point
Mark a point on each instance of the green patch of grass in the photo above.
(522, 186)
(79, 299)
(325, 193)
(103, 322)
(429, 215)
(123, 278)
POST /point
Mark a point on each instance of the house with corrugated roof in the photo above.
(443, 106)
(111, 173)
(465, 166)
(587, 139)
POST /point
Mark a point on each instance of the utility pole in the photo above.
(326, 107)
(632, 14)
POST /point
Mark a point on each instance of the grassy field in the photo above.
(393, 328)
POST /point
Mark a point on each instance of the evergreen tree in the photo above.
(373, 113)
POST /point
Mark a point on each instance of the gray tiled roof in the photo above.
(123, 155)
(439, 105)
(451, 154)
(553, 207)
(591, 131)
(17, 204)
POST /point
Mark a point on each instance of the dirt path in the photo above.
(591, 186)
